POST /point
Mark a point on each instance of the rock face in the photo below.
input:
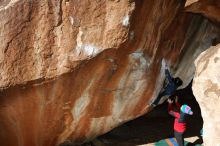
(206, 88)
(44, 39)
(208, 8)
(72, 70)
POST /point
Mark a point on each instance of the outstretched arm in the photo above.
(167, 73)
(168, 76)
(177, 103)
(170, 106)
(170, 109)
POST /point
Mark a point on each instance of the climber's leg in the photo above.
(157, 100)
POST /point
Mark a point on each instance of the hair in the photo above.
(178, 82)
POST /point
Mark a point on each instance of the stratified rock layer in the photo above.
(208, 8)
(206, 88)
(72, 70)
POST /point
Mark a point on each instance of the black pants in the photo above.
(157, 100)
(179, 138)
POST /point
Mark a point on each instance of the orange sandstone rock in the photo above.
(73, 70)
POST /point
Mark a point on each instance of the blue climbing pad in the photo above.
(171, 142)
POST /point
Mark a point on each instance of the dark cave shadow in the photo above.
(157, 125)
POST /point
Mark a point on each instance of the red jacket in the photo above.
(180, 122)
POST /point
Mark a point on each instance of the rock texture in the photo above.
(208, 8)
(72, 70)
(56, 35)
(206, 88)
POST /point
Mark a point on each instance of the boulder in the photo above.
(73, 70)
(206, 88)
(208, 8)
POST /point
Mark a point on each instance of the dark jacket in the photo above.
(171, 87)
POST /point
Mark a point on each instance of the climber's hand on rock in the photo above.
(163, 63)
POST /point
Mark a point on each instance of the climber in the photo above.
(170, 88)
(180, 114)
